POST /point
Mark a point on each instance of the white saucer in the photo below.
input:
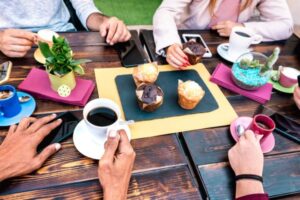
(86, 144)
(223, 52)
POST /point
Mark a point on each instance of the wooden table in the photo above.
(161, 168)
(207, 149)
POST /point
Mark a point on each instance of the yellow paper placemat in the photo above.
(223, 116)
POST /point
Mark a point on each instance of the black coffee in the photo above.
(242, 34)
(262, 125)
(102, 116)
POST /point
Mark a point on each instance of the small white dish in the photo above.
(222, 50)
(86, 144)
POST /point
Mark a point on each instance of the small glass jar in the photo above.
(250, 71)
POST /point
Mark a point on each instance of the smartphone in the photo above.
(186, 37)
(129, 54)
(299, 81)
(5, 70)
(66, 129)
(287, 125)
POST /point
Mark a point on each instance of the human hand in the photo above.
(18, 154)
(176, 57)
(224, 28)
(246, 156)
(115, 30)
(16, 42)
(297, 96)
(116, 165)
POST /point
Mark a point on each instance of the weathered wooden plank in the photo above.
(68, 165)
(170, 183)
(280, 178)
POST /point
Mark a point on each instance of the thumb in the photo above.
(47, 152)
(111, 146)
(103, 29)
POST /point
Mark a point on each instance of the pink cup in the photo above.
(262, 125)
(288, 77)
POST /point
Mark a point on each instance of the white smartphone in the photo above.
(186, 37)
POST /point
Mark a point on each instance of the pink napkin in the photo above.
(37, 83)
(222, 77)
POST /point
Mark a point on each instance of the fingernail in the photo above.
(113, 134)
(59, 120)
(53, 115)
(57, 146)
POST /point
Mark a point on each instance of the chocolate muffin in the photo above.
(194, 51)
(149, 96)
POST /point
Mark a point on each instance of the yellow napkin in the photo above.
(107, 88)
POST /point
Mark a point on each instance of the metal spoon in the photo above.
(240, 129)
(24, 99)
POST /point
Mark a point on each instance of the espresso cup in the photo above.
(46, 36)
(262, 125)
(288, 77)
(10, 106)
(240, 40)
(98, 123)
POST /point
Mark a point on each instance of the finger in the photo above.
(124, 141)
(118, 33)
(125, 35)
(23, 34)
(12, 129)
(219, 26)
(111, 31)
(177, 60)
(13, 54)
(41, 122)
(18, 48)
(173, 64)
(45, 154)
(46, 129)
(24, 124)
(128, 36)
(103, 29)
(19, 41)
(249, 135)
(112, 144)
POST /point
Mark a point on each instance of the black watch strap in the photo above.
(249, 176)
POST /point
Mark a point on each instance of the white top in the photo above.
(35, 15)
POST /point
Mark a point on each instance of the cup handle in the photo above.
(225, 47)
(1, 112)
(256, 39)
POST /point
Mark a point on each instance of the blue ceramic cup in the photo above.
(9, 107)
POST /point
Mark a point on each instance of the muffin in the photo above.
(149, 96)
(146, 73)
(194, 51)
(190, 94)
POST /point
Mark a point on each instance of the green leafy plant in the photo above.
(59, 58)
(251, 63)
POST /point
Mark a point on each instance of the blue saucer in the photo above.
(27, 109)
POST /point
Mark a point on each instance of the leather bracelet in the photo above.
(249, 176)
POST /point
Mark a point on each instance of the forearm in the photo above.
(95, 20)
(247, 187)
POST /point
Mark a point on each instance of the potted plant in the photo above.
(60, 64)
(253, 70)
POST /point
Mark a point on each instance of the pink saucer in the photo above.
(267, 145)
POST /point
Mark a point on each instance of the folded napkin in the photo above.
(37, 83)
(222, 77)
